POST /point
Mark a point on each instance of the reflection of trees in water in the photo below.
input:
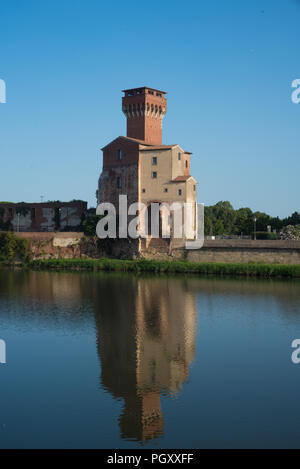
(46, 300)
(146, 341)
(285, 293)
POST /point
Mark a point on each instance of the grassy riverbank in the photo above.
(169, 267)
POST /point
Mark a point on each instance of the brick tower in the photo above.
(144, 109)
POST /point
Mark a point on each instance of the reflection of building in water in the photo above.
(146, 341)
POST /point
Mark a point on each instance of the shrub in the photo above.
(290, 232)
(13, 248)
(264, 235)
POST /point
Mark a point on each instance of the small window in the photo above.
(179, 192)
(154, 160)
(154, 175)
(119, 154)
(165, 189)
(144, 190)
(186, 164)
(158, 94)
(179, 156)
(150, 92)
(119, 182)
(194, 187)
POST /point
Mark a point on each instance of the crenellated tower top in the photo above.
(144, 109)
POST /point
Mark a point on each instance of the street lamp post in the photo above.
(254, 219)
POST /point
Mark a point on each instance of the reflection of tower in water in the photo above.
(146, 342)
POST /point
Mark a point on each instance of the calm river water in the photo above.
(119, 361)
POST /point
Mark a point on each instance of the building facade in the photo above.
(146, 170)
(48, 216)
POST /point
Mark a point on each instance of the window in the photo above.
(186, 163)
(179, 192)
(158, 94)
(119, 154)
(165, 189)
(194, 187)
(119, 182)
(144, 190)
(154, 175)
(179, 156)
(150, 92)
(154, 160)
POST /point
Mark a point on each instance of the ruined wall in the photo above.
(41, 216)
(71, 245)
(53, 245)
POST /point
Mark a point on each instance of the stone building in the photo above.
(48, 216)
(146, 170)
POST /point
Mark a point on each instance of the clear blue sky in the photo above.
(227, 66)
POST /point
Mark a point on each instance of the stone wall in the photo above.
(75, 245)
(236, 251)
